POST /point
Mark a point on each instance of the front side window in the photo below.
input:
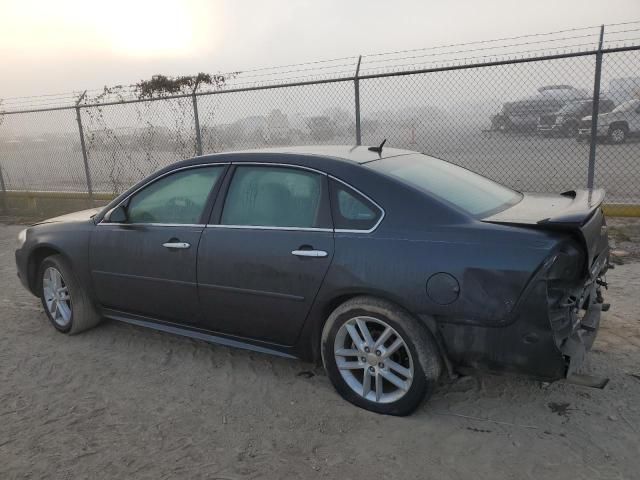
(264, 196)
(178, 198)
(470, 192)
(352, 211)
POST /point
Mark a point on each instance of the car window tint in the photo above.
(178, 198)
(274, 197)
(352, 211)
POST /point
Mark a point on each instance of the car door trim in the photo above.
(260, 227)
(256, 227)
(141, 277)
(196, 225)
(153, 180)
(262, 293)
(273, 164)
(307, 229)
(376, 204)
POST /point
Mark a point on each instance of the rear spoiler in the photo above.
(578, 215)
(584, 204)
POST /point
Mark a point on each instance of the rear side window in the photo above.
(178, 198)
(281, 197)
(351, 210)
(472, 193)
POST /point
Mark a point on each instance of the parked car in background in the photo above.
(389, 266)
(566, 121)
(523, 115)
(616, 126)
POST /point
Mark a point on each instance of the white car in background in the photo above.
(616, 126)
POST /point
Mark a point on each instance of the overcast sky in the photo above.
(60, 46)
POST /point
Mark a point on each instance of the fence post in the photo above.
(594, 113)
(3, 200)
(3, 193)
(87, 173)
(197, 121)
(356, 84)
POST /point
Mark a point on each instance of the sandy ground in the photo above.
(624, 239)
(123, 402)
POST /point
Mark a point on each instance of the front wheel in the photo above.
(378, 357)
(617, 134)
(65, 302)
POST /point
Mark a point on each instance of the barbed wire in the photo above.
(476, 58)
(478, 49)
(481, 42)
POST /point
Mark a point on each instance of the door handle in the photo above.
(176, 245)
(309, 253)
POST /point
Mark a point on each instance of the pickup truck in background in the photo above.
(523, 115)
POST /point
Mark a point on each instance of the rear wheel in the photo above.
(378, 357)
(65, 302)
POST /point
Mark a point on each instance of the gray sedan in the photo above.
(391, 267)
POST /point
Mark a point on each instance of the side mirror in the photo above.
(118, 215)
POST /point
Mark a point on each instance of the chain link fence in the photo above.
(517, 110)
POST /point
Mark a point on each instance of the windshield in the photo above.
(472, 193)
(627, 106)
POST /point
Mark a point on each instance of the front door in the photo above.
(146, 264)
(261, 265)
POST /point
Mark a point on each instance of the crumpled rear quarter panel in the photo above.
(491, 323)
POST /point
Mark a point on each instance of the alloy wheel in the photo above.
(617, 135)
(373, 359)
(57, 297)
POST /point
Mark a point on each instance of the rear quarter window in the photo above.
(352, 210)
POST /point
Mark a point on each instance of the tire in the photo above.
(418, 355)
(81, 312)
(617, 134)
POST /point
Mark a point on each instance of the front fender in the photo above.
(68, 240)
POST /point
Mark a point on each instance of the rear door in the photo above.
(262, 260)
(146, 265)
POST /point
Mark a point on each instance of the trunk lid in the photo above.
(577, 212)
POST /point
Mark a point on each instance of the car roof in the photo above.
(352, 153)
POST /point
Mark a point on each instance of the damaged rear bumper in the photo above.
(583, 316)
(551, 328)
